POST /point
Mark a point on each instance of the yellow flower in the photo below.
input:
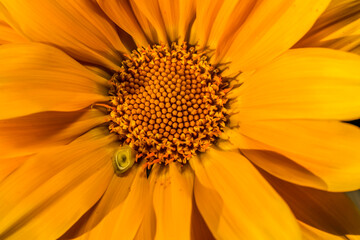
(213, 128)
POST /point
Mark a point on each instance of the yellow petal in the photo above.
(311, 83)
(151, 10)
(9, 35)
(328, 149)
(228, 18)
(29, 134)
(311, 233)
(338, 27)
(239, 197)
(36, 77)
(199, 229)
(115, 194)
(55, 187)
(9, 165)
(123, 221)
(270, 29)
(79, 28)
(147, 228)
(122, 14)
(334, 213)
(172, 201)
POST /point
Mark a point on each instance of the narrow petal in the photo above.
(29, 134)
(9, 165)
(147, 229)
(122, 14)
(199, 229)
(311, 83)
(151, 10)
(334, 213)
(35, 78)
(79, 28)
(9, 35)
(270, 29)
(116, 193)
(328, 149)
(228, 18)
(123, 221)
(53, 189)
(172, 200)
(240, 196)
(311, 233)
(338, 28)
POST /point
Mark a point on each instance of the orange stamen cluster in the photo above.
(167, 103)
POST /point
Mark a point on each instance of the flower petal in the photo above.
(172, 201)
(311, 83)
(122, 14)
(9, 35)
(270, 29)
(334, 213)
(338, 28)
(328, 149)
(53, 189)
(240, 196)
(29, 134)
(79, 28)
(199, 229)
(35, 78)
(116, 193)
(151, 10)
(311, 233)
(9, 165)
(123, 221)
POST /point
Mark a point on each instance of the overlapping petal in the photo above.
(338, 27)
(79, 28)
(327, 149)
(29, 134)
(232, 196)
(333, 213)
(35, 77)
(54, 188)
(308, 83)
(172, 201)
(270, 29)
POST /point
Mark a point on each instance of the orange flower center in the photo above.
(167, 103)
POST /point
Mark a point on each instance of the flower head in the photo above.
(178, 119)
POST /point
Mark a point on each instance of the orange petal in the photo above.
(199, 229)
(227, 17)
(172, 201)
(151, 10)
(9, 35)
(239, 197)
(270, 29)
(147, 228)
(115, 194)
(29, 134)
(79, 28)
(311, 83)
(37, 77)
(53, 189)
(328, 149)
(122, 14)
(338, 27)
(123, 221)
(334, 213)
(9, 165)
(311, 233)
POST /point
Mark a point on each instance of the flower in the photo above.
(268, 155)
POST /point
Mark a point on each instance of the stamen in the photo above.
(167, 103)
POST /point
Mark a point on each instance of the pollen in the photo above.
(167, 103)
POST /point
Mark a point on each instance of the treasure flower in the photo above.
(134, 119)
